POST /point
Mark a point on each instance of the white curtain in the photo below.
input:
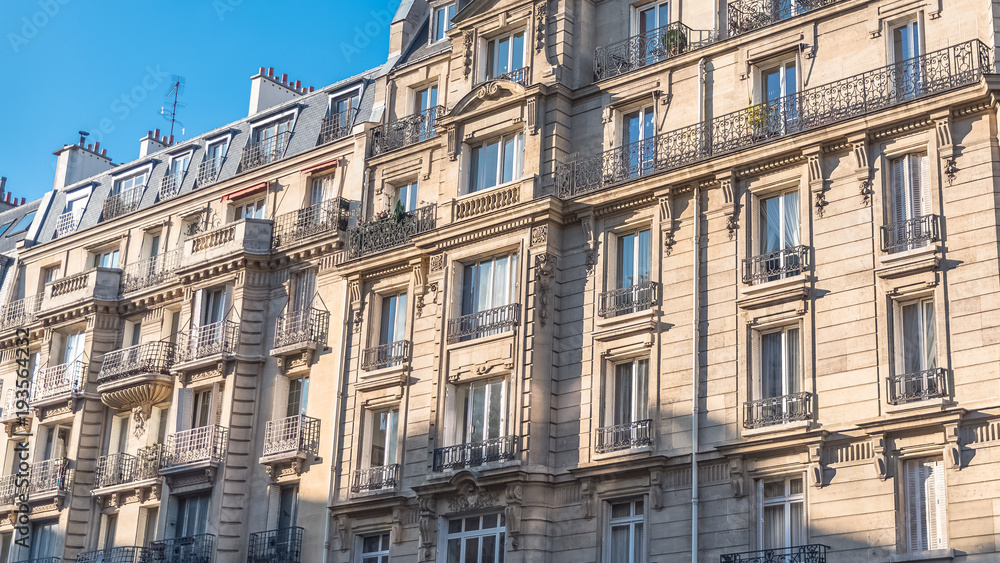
(790, 203)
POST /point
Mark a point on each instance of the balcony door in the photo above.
(634, 259)
(179, 165)
(780, 109)
(779, 369)
(778, 233)
(489, 284)
(916, 342)
(483, 413)
(73, 350)
(216, 152)
(393, 323)
(192, 515)
(56, 443)
(628, 393)
(44, 540)
(201, 414)
(505, 54)
(382, 449)
(213, 307)
(907, 66)
(270, 138)
(911, 201)
(639, 140)
(288, 507)
(649, 21)
(303, 290)
(425, 100)
(298, 397)
(782, 514)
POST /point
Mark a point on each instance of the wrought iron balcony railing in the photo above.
(632, 299)
(49, 476)
(301, 327)
(201, 342)
(624, 436)
(336, 126)
(264, 152)
(911, 234)
(386, 355)
(520, 75)
(149, 358)
(67, 223)
(778, 410)
(648, 48)
(170, 185)
(190, 549)
(376, 478)
(404, 131)
(19, 313)
(208, 171)
(389, 231)
(203, 444)
(151, 271)
(748, 15)
(484, 323)
(123, 554)
(276, 546)
(777, 265)
(122, 203)
(475, 454)
(319, 218)
(291, 435)
(59, 380)
(799, 554)
(114, 469)
(814, 108)
(53, 559)
(14, 407)
(918, 386)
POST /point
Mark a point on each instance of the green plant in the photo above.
(757, 116)
(674, 41)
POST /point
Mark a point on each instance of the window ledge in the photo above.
(909, 261)
(640, 319)
(368, 380)
(937, 404)
(940, 555)
(481, 340)
(790, 427)
(774, 292)
(623, 453)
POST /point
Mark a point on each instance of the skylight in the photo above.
(23, 224)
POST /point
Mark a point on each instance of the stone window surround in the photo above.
(757, 477)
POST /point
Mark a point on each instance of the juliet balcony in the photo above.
(245, 237)
(208, 171)
(323, 218)
(214, 342)
(189, 549)
(122, 203)
(484, 323)
(378, 478)
(15, 408)
(476, 454)
(297, 336)
(860, 95)
(19, 313)
(59, 383)
(97, 284)
(521, 76)
(202, 448)
(264, 152)
(626, 436)
(386, 355)
(632, 299)
(151, 272)
(780, 264)
(137, 375)
(815, 553)
(67, 223)
(907, 388)
(645, 49)
(292, 441)
(336, 126)
(911, 234)
(773, 411)
(276, 546)
(170, 185)
(749, 15)
(122, 470)
(49, 479)
(404, 131)
(122, 554)
(389, 231)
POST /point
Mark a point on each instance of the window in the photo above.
(341, 118)
(375, 548)
(626, 532)
(393, 322)
(270, 134)
(216, 151)
(489, 285)
(148, 516)
(425, 101)
(56, 442)
(905, 48)
(110, 529)
(651, 17)
(406, 195)
(212, 308)
(288, 506)
(779, 363)
(638, 133)
(201, 415)
(298, 395)
(73, 347)
(252, 209)
(23, 224)
(44, 540)
(50, 274)
(504, 56)
(76, 203)
(779, 110)
(5, 543)
(782, 516)
(477, 539)
(382, 437)
(192, 515)
(322, 189)
(106, 259)
(303, 290)
(777, 254)
(496, 162)
(442, 21)
(129, 183)
(118, 441)
(482, 412)
(179, 164)
(912, 224)
(916, 375)
(627, 393)
(634, 256)
(926, 515)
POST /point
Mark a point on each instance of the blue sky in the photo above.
(105, 66)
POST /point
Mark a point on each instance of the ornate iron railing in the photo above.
(276, 546)
(404, 131)
(862, 94)
(319, 218)
(203, 444)
(388, 232)
(800, 554)
(67, 223)
(484, 323)
(265, 151)
(385, 355)
(910, 234)
(49, 476)
(780, 264)
(748, 15)
(217, 338)
(12, 405)
(300, 327)
(336, 126)
(520, 75)
(170, 185)
(114, 469)
(56, 380)
(376, 478)
(151, 271)
(632, 299)
(917, 386)
(191, 549)
(148, 358)
(18, 313)
(8, 489)
(624, 436)
(293, 434)
(208, 171)
(122, 203)
(778, 410)
(648, 48)
(53, 559)
(475, 454)
(123, 554)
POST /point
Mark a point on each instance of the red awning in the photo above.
(324, 166)
(245, 192)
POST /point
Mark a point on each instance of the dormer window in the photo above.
(340, 118)
(442, 22)
(249, 209)
(268, 143)
(215, 153)
(170, 185)
(125, 195)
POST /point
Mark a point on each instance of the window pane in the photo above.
(620, 544)
(517, 52)
(774, 489)
(454, 526)
(637, 544)
(797, 533)
(621, 510)
(471, 550)
(370, 544)
(503, 56)
(379, 428)
(623, 398)
(641, 398)
(790, 202)
(489, 521)
(509, 146)
(496, 410)
(491, 154)
(793, 380)
(475, 182)
(773, 533)
(455, 548)
(770, 364)
(930, 340)
(489, 549)
(911, 338)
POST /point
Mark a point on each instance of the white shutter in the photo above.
(925, 186)
(196, 309)
(898, 171)
(897, 337)
(916, 186)
(755, 391)
(937, 518)
(915, 503)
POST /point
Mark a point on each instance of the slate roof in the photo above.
(421, 49)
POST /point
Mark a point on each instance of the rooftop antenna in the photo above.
(176, 88)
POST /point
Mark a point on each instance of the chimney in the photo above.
(267, 91)
(404, 26)
(151, 143)
(77, 162)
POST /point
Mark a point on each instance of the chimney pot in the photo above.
(22, 201)
(104, 152)
(284, 78)
(270, 71)
(298, 84)
(97, 146)
(311, 88)
(149, 134)
(261, 70)
(170, 140)
(156, 133)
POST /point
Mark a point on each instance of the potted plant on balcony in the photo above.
(756, 118)
(674, 42)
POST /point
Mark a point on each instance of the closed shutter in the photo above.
(897, 339)
(937, 518)
(898, 171)
(916, 187)
(926, 514)
(196, 309)
(915, 503)
(756, 390)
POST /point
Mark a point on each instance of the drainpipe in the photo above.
(695, 334)
(335, 456)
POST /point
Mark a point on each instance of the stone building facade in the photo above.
(563, 280)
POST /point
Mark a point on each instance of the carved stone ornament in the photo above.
(512, 513)
(428, 528)
(881, 459)
(951, 169)
(736, 477)
(731, 225)
(472, 497)
(437, 262)
(587, 499)
(816, 465)
(539, 234)
(468, 40)
(545, 272)
(356, 321)
(489, 91)
(865, 187)
(140, 415)
(656, 490)
(343, 532)
(541, 21)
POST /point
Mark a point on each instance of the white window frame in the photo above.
(438, 34)
(383, 555)
(479, 181)
(637, 11)
(510, 273)
(258, 204)
(930, 532)
(462, 410)
(492, 53)
(904, 197)
(112, 253)
(391, 442)
(786, 377)
(637, 516)
(499, 532)
(410, 189)
(639, 398)
(786, 501)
